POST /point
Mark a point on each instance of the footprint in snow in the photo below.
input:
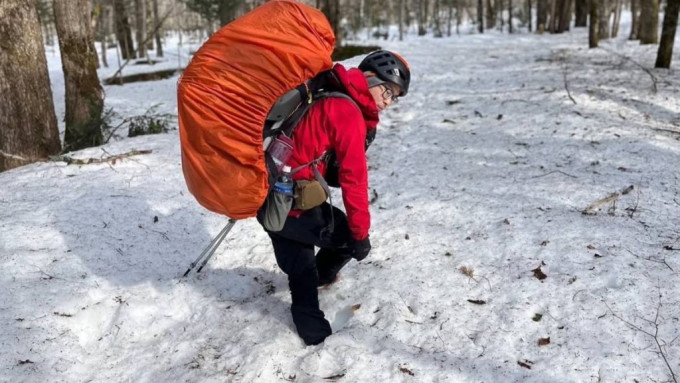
(343, 316)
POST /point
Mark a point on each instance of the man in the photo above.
(344, 128)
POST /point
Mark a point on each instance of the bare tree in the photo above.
(593, 38)
(541, 16)
(509, 16)
(581, 11)
(490, 15)
(670, 24)
(634, 10)
(28, 124)
(84, 98)
(123, 31)
(649, 22)
(529, 14)
(604, 11)
(140, 27)
(157, 32)
(331, 8)
(617, 18)
(480, 16)
(421, 14)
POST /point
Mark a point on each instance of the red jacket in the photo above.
(338, 124)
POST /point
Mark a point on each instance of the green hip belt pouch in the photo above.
(308, 194)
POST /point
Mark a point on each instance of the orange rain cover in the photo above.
(225, 93)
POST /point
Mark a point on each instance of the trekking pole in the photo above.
(210, 250)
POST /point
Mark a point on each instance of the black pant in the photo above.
(294, 250)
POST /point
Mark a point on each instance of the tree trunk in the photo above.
(670, 24)
(103, 29)
(634, 5)
(593, 39)
(581, 11)
(649, 22)
(604, 11)
(84, 98)
(509, 16)
(401, 20)
(480, 16)
(541, 15)
(565, 15)
(449, 19)
(157, 30)
(554, 6)
(28, 125)
(529, 14)
(437, 19)
(490, 15)
(140, 27)
(499, 6)
(617, 18)
(123, 32)
(421, 14)
(331, 8)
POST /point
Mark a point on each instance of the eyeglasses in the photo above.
(388, 94)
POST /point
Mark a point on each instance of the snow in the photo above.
(487, 164)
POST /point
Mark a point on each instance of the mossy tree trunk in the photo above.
(84, 97)
(28, 124)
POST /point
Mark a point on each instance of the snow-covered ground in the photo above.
(485, 168)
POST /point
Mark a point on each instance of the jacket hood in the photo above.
(356, 86)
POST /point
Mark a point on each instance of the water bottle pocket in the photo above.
(277, 207)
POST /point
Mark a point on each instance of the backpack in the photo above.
(225, 97)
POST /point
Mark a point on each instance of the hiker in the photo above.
(343, 127)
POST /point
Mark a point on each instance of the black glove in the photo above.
(360, 249)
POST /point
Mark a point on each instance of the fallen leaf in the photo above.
(544, 341)
(407, 237)
(477, 301)
(334, 377)
(537, 317)
(356, 307)
(27, 361)
(545, 243)
(596, 255)
(524, 365)
(506, 221)
(539, 274)
(406, 371)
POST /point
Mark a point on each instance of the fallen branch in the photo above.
(148, 38)
(555, 171)
(566, 87)
(654, 335)
(649, 72)
(13, 156)
(650, 259)
(610, 198)
(88, 161)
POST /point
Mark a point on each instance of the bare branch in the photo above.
(88, 161)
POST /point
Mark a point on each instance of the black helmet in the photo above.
(389, 67)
